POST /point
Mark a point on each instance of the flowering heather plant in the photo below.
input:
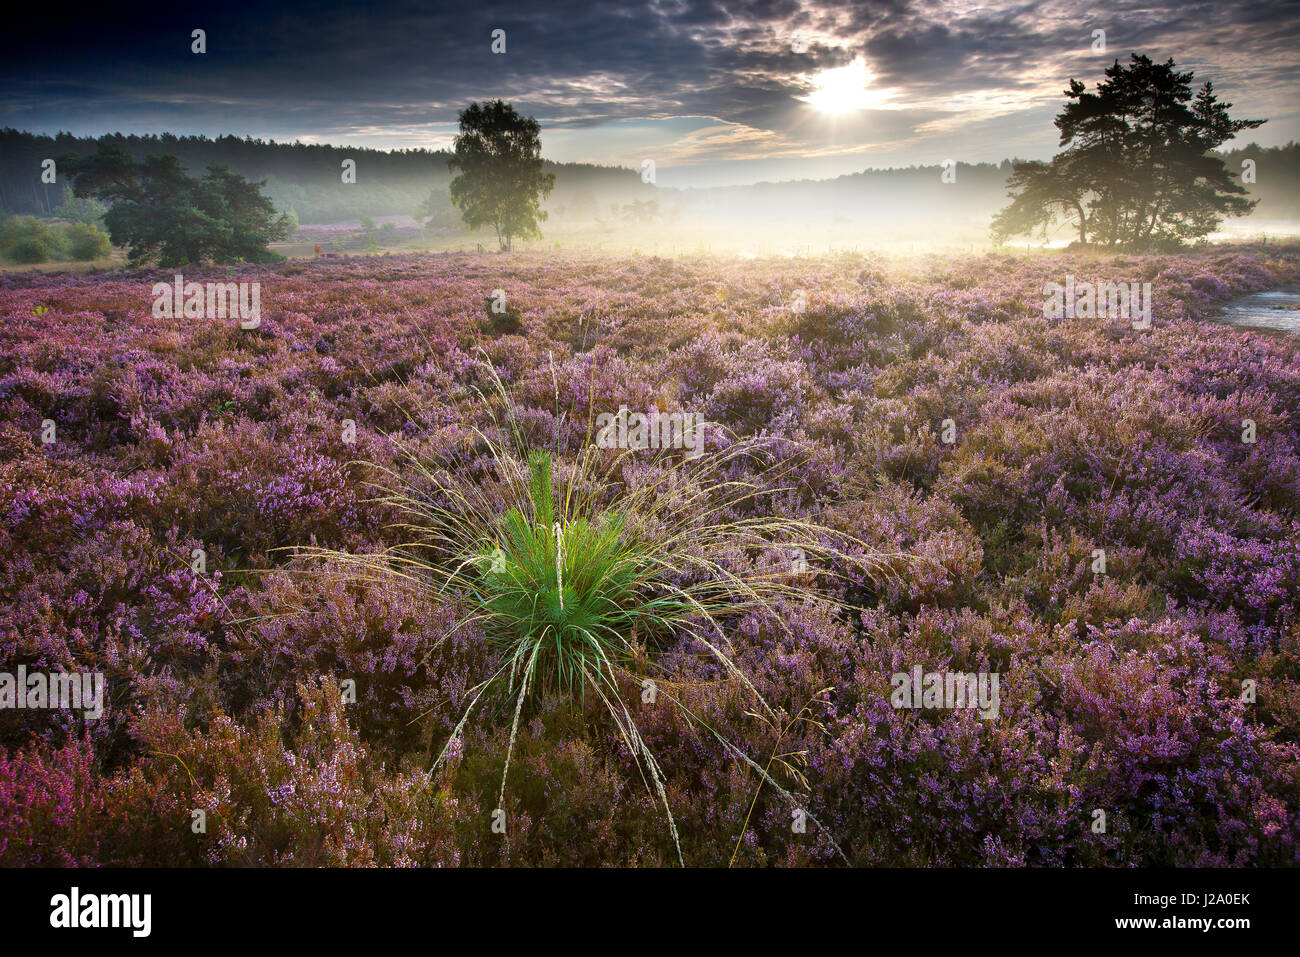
(1083, 510)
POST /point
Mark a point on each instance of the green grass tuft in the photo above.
(578, 579)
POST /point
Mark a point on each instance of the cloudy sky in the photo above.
(714, 91)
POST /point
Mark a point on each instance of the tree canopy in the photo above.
(163, 215)
(1138, 169)
(501, 181)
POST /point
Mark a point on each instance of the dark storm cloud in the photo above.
(349, 54)
(356, 71)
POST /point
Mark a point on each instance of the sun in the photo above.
(844, 89)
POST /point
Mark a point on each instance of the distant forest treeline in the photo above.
(918, 192)
(1277, 172)
(306, 178)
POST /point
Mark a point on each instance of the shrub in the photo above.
(29, 249)
(86, 241)
(25, 239)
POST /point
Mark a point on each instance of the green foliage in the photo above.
(26, 240)
(167, 217)
(80, 209)
(501, 181)
(29, 250)
(86, 241)
(1139, 169)
(564, 596)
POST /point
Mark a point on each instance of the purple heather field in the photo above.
(1163, 691)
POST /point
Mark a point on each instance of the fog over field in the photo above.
(904, 210)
